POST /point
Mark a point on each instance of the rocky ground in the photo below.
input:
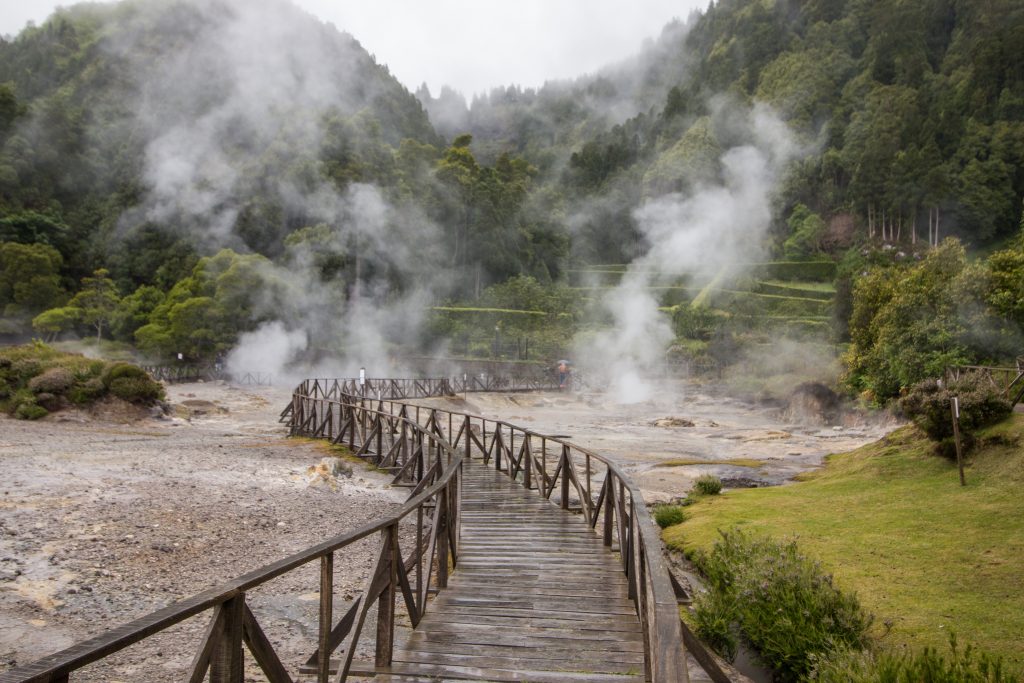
(105, 517)
(745, 443)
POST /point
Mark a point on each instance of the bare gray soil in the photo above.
(105, 517)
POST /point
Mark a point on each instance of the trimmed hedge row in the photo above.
(815, 271)
(792, 290)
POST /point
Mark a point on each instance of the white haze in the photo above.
(252, 87)
(711, 231)
(468, 44)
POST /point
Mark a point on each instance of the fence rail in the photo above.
(569, 476)
(1009, 381)
(398, 581)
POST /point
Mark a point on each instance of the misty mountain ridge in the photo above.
(201, 114)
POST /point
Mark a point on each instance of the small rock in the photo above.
(672, 422)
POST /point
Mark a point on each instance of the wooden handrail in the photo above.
(425, 449)
(434, 500)
(572, 477)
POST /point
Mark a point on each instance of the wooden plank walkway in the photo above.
(535, 597)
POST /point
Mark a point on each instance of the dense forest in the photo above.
(174, 173)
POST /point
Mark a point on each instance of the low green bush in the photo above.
(925, 666)
(52, 381)
(36, 378)
(137, 389)
(51, 402)
(695, 322)
(121, 370)
(708, 485)
(87, 391)
(929, 405)
(669, 515)
(29, 410)
(779, 601)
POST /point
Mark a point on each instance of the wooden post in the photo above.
(442, 538)
(226, 662)
(326, 617)
(386, 602)
(956, 439)
(565, 477)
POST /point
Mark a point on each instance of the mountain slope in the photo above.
(200, 115)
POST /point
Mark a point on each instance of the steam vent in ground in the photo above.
(528, 343)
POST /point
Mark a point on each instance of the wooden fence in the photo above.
(424, 449)
(398, 581)
(1009, 381)
(569, 476)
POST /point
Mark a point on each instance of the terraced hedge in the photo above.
(761, 287)
(819, 271)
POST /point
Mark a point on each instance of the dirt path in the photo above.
(102, 521)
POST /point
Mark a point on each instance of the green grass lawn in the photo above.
(892, 523)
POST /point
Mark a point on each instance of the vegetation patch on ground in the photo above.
(735, 462)
(36, 379)
(892, 524)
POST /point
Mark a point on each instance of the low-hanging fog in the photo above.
(257, 88)
(706, 233)
(236, 125)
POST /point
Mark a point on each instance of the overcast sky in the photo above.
(472, 45)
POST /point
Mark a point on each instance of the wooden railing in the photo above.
(427, 524)
(571, 477)
(425, 388)
(425, 449)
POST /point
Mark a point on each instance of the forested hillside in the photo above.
(916, 111)
(175, 173)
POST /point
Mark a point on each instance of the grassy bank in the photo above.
(892, 524)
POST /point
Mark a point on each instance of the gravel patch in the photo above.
(106, 517)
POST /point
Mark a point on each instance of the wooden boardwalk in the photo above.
(535, 597)
(558, 573)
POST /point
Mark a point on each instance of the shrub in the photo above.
(121, 370)
(781, 602)
(137, 389)
(29, 410)
(24, 369)
(52, 381)
(87, 391)
(925, 666)
(694, 322)
(669, 515)
(49, 401)
(929, 403)
(708, 485)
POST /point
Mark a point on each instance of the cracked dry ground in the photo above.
(103, 521)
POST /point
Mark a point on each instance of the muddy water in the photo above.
(686, 421)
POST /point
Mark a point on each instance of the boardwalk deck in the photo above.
(535, 597)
